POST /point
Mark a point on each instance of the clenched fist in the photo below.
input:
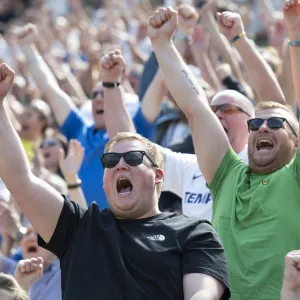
(28, 35)
(291, 282)
(7, 76)
(112, 66)
(187, 17)
(291, 11)
(162, 25)
(28, 272)
(230, 24)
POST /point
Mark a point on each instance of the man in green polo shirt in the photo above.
(256, 207)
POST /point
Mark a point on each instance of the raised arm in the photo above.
(117, 118)
(292, 21)
(40, 203)
(59, 101)
(151, 103)
(261, 76)
(70, 165)
(191, 99)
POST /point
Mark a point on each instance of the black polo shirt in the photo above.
(111, 259)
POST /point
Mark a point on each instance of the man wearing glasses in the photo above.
(130, 251)
(256, 208)
(72, 125)
(182, 174)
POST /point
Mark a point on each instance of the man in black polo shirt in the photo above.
(132, 250)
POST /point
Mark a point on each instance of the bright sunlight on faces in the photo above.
(151, 148)
(293, 120)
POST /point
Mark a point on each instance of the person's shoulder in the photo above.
(182, 222)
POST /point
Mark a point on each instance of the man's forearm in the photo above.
(59, 101)
(117, 118)
(151, 103)
(192, 100)
(295, 59)
(262, 78)
(14, 165)
(222, 46)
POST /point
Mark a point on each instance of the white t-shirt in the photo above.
(184, 178)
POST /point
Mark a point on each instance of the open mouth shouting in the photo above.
(124, 186)
(264, 145)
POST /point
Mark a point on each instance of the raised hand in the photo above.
(187, 17)
(291, 281)
(112, 66)
(200, 39)
(9, 220)
(28, 271)
(7, 76)
(291, 12)
(71, 164)
(28, 35)
(230, 24)
(162, 25)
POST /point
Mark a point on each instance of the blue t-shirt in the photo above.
(94, 141)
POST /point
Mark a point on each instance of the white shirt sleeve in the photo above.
(178, 168)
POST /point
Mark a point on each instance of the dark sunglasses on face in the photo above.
(132, 158)
(95, 93)
(48, 143)
(274, 123)
(227, 109)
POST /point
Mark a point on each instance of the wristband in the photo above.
(294, 43)
(75, 185)
(237, 37)
(110, 85)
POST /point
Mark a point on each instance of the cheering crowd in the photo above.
(149, 151)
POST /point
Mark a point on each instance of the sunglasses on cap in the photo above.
(274, 123)
(48, 143)
(95, 93)
(132, 158)
(227, 109)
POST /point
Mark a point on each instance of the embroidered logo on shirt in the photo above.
(197, 176)
(158, 237)
(265, 182)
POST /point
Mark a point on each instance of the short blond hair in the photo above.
(10, 284)
(270, 104)
(151, 149)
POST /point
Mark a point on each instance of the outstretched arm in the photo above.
(59, 101)
(292, 21)
(262, 78)
(183, 86)
(40, 203)
(117, 118)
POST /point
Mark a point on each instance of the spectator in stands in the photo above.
(111, 247)
(93, 138)
(248, 208)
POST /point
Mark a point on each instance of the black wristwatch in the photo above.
(110, 85)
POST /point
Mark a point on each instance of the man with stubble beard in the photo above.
(256, 207)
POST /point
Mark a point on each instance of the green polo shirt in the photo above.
(258, 219)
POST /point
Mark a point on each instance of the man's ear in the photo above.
(159, 176)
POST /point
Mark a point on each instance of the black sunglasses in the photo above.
(228, 109)
(274, 123)
(95, 93)
(132, 158)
